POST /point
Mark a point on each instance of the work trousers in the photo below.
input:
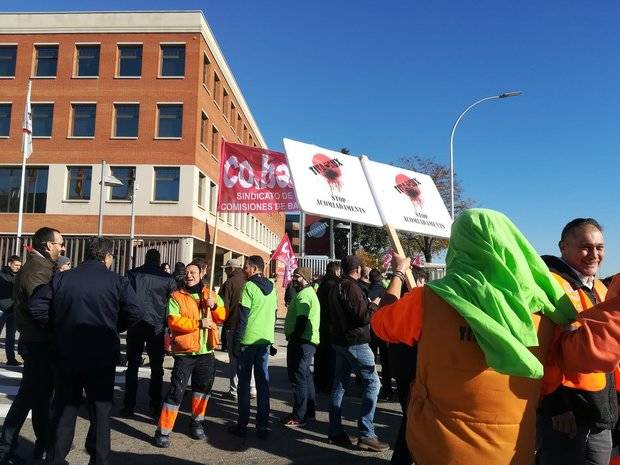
(97, 382)
(137, 339)
(201, 368)
(34, 394)
(298, 362)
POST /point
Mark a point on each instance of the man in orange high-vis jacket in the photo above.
(193, 314)
(462, 411)
(578, 410)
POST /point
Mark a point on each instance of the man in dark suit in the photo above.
(153, 287)
(86, 308)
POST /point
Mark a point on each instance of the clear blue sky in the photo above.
(389, 78)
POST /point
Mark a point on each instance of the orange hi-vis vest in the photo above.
(186, 337)
(554, 376)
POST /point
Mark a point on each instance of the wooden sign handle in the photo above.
(398, 248)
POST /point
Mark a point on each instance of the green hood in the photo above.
(496, 281)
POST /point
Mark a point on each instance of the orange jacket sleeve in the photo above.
(592, 344)
(401, 321)
(179, 324)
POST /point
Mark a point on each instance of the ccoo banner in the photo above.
(254, 180)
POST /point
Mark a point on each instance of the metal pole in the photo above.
(20, 216)
(332, 244)
(456, 123)
(132, 229)
(302, 234)
(215, 231)
(350, 241)
(101, 187)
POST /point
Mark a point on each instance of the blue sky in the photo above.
(389, 78)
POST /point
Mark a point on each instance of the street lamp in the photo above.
(109, 181)
(456, 123)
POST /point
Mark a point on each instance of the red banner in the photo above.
(254, 180)
(284, 253)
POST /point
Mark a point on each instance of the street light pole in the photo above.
(101, 188)
(132, 228)
(456, 123)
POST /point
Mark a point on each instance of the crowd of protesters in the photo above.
(501, 319)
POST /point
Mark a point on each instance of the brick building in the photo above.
(152, 95)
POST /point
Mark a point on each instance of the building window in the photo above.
(232, 115)
(204, 128)
(126, 175)
(173, 60)
(87, 60)
(130, 60)
(215, 148)
(78, 183)
(202, 186)
(212, 197)
(206, 69)
(244, 134)
(42, 119)
(238, 128)
(170, 120)
(126, 120)
(35, 187)
(8, 57)
(5, 119)
(46, 60)
(84, 115)
(226, 104)
(217, 84)
(167, 184)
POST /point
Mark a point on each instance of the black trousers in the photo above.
(97, 381)
(298, 362)
(137, 338)
(324, 366)
(34, 394)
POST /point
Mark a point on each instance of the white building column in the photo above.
(186, 249)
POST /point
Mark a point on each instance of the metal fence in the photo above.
(76, 245)
(318, 263)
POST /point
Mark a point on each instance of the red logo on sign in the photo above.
(410, 187)
(328, 168)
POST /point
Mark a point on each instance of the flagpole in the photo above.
(26, 141)
(216, 227)
(393, 236)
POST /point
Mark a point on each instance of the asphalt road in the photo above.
(132, 438)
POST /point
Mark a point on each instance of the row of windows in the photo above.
(126, 122)
(87, 57)
(79, 188)
(83, 117)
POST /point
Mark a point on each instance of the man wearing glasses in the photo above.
(35, 348)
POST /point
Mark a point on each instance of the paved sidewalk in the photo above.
(132, 439)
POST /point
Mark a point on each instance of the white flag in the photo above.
(27, 126)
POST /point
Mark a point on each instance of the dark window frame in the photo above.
(36, 188)
(81, 63)
(168, 171)
(36, 119)
(125, 106)
(51, 61)
(79, 182)
(9, 60)
(167, 116)
(169, 65)
(76, 112)
(5, 119)
(138, 58)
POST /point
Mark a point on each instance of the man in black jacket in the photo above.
(576, 420)
(324, 357)
(86, 308)
(35, 389)
(350, 337)
(153, 287)
(7, 281)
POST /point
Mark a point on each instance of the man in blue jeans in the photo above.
(252, 341)
(350, 333)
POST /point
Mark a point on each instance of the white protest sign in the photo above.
(330, 184)
(408, 201)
